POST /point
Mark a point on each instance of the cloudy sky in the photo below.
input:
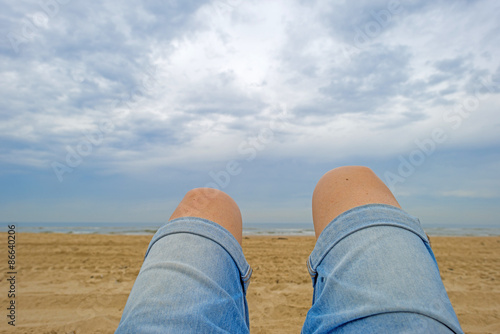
(111, 111)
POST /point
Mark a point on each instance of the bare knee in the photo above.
(200, 198)
(344, 171)
(344, 188)
(340, 176)
(214, 205)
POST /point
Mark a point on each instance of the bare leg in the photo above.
(193, 272)
(376, 272)
(344, 188)
(214, 205)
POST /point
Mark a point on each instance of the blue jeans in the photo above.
(372, 269)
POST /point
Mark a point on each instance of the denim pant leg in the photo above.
(373, 271)
(193, 280)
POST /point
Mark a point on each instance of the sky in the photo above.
(112, 111)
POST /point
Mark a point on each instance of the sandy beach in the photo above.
(79, 283)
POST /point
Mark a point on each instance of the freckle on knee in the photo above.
(342, 174)
(345, 172)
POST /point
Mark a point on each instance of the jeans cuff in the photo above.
(356, 219)
(210, 230)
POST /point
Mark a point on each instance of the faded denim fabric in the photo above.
(373, 271)
(193, 280)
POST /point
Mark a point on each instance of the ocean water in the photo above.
(289, 229)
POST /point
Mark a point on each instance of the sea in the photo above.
(281, 229)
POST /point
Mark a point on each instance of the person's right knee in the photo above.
(345, 188)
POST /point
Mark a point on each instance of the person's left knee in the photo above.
(200, 198)
(214, 205)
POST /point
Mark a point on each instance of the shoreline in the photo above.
(433, 232)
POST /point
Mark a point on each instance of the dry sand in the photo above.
(80, 283)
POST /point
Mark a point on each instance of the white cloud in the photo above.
(469, 194)
(186, 83)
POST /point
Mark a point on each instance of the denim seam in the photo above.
(325, 252)
(203, 236)
(248, 274)
(386, 215)
(240, 261)
(454, 330)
